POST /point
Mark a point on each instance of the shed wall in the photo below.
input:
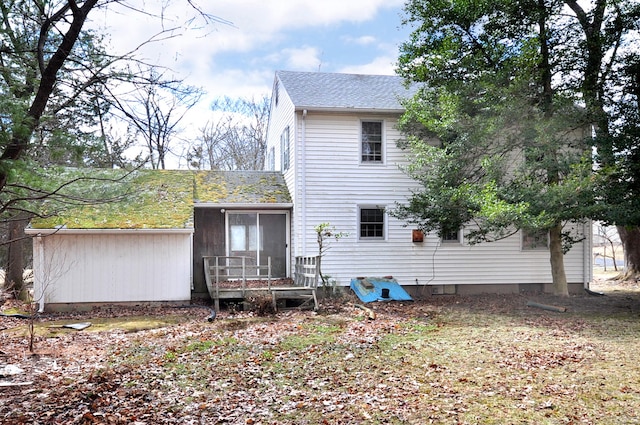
(95, 268)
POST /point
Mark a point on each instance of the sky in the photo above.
(237, 56)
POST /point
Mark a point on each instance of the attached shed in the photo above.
(94, 266)
(147, 246)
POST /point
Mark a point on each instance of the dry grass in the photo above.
(451, 360)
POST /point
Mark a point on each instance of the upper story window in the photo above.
(271, 159)
(371, 223)
(535, 239)
(371, 144)
(284, 149)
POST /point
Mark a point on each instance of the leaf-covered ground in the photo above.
(445, 359)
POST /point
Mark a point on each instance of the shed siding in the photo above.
(337, 184)
(94, 268)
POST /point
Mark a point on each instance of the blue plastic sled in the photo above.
(370, 289)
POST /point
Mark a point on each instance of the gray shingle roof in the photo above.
(320, 90)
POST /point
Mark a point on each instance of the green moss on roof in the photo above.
(241, 187)
(164, 199)
(154, 199)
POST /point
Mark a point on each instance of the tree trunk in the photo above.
(630, 238)
(14, 281)
(560, 286)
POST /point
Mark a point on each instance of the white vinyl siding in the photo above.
(337, 184)
(283, 115)
(101, 267)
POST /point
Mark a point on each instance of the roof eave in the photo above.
(245, 205)
(65, 231)
(346, 109)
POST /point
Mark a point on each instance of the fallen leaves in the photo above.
(464, 360)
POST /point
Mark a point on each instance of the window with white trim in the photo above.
(451, 236)
(371, 142)
(535, 240)
(284, 149)
(371, 223)
(271, 159)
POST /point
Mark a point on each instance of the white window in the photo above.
(284, 149)
(535, 240)
(371, 223)
(451, 236)
(371, 142)
(271, 159)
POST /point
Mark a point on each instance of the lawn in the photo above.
(446, 359)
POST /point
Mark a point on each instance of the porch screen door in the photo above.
(259, 236)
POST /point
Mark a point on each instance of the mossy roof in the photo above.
(165, 199)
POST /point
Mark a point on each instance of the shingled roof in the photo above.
(320, 90)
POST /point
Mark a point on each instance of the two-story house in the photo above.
(332, 157)
(334, 138)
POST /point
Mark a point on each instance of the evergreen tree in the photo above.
(502, 126)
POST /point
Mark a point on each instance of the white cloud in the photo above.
(254, 23)
(275, 16)
(363, 40)
(382, 65)
(303, 59)
(204, 55)
(306, 58)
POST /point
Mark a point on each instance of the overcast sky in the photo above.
(239, 58)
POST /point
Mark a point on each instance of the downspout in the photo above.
(587, 253)
(303, 185)
(39, 273)
(192, 286)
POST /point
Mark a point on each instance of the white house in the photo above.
(332, 157)
(334, 138)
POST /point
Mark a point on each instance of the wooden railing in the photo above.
(218, 269)
(239, 268)
(307, 271)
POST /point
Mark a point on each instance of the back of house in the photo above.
(335, 139)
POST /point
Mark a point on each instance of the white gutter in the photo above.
(349, 109)
(245, 206)
(65, 231)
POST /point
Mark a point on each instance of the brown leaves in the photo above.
(446, 360)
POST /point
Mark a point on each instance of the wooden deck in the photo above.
(235, 277)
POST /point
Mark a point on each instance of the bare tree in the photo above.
(155, 109)
(607, 237)
(235, 139)
(49, 64)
